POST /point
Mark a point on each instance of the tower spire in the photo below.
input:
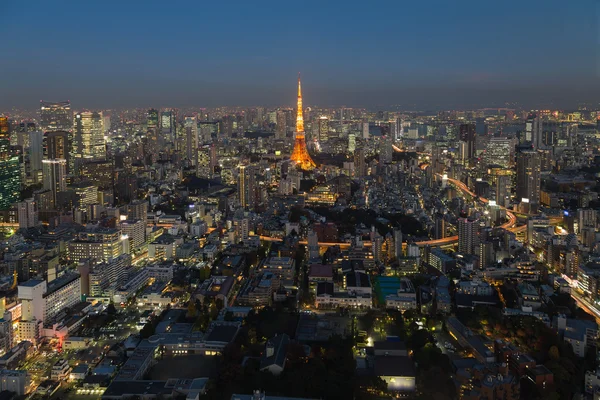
(299, 116)
(300, 154)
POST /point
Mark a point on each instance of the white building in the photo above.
(15, 381)
(62, 293)
(27, 213)
(135, 230)
(282, 267)
(60, 370)
(161, 273)
(138, 280)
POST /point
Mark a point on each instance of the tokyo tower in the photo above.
(300, 155)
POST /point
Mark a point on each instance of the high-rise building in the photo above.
(102, 244)
(54, 173)
(360, 169)
(467, 235)
(528, 176)
(56, 145)
(468, 134)
(152, 119)
(313, 246)
(499, 152)
(586, 218)
(167, 125)
(300, 154)
(89, 135)
(533, 131)
(398, 243)
(440, 226)
(365, 130)
(56, 116)
(27, 213)
(323, 129)
(281, 131)
(35, 149)
(138, 209)
(247, 186)
(10, 169)
(191, 139)
(501, 184)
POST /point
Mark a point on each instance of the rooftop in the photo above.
(394, 366)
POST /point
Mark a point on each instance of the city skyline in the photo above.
(384, 55)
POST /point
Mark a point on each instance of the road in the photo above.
(585, 305)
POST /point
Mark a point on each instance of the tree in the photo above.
(553, 353)
(219, 304)
(191, 309)
(111, 309)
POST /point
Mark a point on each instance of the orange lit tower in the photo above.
(300, 154)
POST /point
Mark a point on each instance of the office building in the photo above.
(533, 131)
(35, 150)
(499, 152)
(135, 230)
(10, 173)
(191, 139)
(56, 116)
(467, 136)
(281, 130)
(398, 253)
(206, 161)
(61, 293)
(89, 136)
(27, 213)
(101, 244)
(54, 173)
(360, 169)
(57, 145)
(528, 176)
(323, 123)
(152, 119)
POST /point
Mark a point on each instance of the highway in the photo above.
(585, 305)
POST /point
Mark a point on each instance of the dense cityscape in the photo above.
(300, 251)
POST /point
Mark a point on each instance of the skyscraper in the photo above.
(467, 235)
(89, 135)
(281, 131)
(167, 126)
(10, 169)
(152, 119)
(359, 162)
(533, 131)
(323, 129)
(528, 176)
(191, 139)
(467, 134)
(300, 155)
(35, 150)
(56, 116)
(498, 152)
(56, 145)
(243, 186)
(398, 243)
(247, 186)
(54, 174)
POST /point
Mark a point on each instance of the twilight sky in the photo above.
(425, 54)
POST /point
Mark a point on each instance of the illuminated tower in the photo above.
(300, 154)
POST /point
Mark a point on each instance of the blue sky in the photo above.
(419, 54)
